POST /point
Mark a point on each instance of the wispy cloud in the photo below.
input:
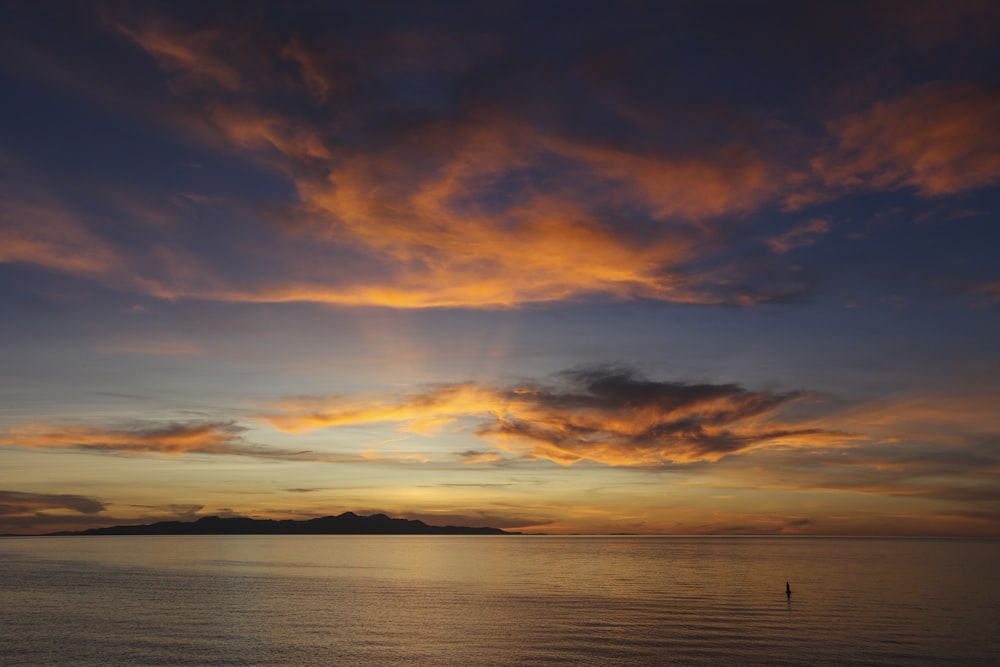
(191, 55)
(169, 438)
(482, 209)
(939, 140)
(20, 503)
(443, 402)
(985, 292)
(417, 185)
(953, 419)
(933, 447)
(32, 513)
(805, 234)
(175, 438)
(36, 230)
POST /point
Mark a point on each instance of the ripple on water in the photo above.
(496, 601)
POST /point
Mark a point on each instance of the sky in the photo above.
(720, 267)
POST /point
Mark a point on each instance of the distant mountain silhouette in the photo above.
(347, 523)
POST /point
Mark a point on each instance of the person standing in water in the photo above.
(788, 590)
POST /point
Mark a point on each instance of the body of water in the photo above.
(296, 601)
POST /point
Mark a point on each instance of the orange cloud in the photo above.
(480, 211)
(465, 228)
(605, 415)
(485, 208)
(192, 55)
(171, 438)
(939, 139)
(690, 188)
(447, 234)
(472, 457)
(930, 448)
(177, 439)
(944, 419)
(35, 231)
(799, 236)
(254, 130)
(438, 405)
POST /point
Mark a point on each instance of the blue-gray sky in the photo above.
(687, 267)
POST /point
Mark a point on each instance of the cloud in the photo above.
(34, 513)
(35, 230)
(603, 414)
(480, 208)
(189, 54)
(169, 438)
(944, 419)
(442, 402)
(431, 166)
(935, 447)
(475, 456)
(940, 140)
(985, 292)
(253, 129)
(615, 416)
(799, 236)
(966, 476)
(464, 222)
(19, 503)
(182, 511)
(38, 229)
(311, 68)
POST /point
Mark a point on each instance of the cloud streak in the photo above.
(19, 503)
(805, 234)
(180, 439)
(167, 438)
(930, 447)
(36, 231)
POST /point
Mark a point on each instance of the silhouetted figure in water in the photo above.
(788, 591)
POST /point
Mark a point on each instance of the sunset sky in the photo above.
(565, 267)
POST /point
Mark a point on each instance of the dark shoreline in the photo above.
(347, 523)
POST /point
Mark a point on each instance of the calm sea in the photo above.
(531, 600)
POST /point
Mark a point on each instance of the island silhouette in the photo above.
(347, 523)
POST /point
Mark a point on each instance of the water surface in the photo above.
(496, 600)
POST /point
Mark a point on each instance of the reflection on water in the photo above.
(456, 600)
